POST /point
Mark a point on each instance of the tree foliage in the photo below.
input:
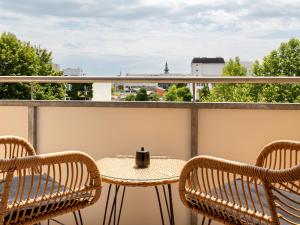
(284, 61)
(171, 94)
(178, 94)
(19, 58)
(154, 97)
(142, 95)
(230, 92)
(130, 97)
(234, 68)
(184, 94)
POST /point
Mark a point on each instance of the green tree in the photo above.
(184, 94)
(284, 61)
(231, 92)
(234, 68)
(130, 97)
(204, 93)
(142, 95)
(153, 97)
(19, 58)
(178, 94)
(171, 94)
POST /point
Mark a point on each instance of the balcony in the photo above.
(235, 131)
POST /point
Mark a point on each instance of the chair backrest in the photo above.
(282, 158)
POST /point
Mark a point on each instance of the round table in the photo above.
(121, 171)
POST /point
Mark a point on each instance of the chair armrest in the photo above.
(13, 147)
(279, 155)
(51, 184)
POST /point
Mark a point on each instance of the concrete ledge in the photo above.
(183, 105)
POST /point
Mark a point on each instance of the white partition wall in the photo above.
(14, 121)
(235, 132)
(104, 132)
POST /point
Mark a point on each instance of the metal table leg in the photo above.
(115, 211)
(203, 220)
(114, 216)
(168, 202)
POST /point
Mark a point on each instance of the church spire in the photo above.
(166, 68)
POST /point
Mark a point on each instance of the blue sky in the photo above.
(105, 37)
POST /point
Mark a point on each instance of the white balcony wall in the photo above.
(13, 121)
(235, 134)
(104, 132)
(240, 134)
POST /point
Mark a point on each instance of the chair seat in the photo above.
(35, 187)
(208, 206)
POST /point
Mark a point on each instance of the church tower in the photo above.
(166, 68)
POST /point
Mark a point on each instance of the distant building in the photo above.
(166, 73)
(207, 66)
(166, 68)
(73, 72)
(133, 87)
(78, 91)
(160, 91)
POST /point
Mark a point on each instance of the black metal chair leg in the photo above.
(209, 221)
(80, 217)
(75, 218)
(56, 221)
(203, 220)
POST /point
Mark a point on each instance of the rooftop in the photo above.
(208, 60)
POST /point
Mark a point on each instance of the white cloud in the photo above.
(138, 36)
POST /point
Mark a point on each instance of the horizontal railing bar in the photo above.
(174, 105)
(147, 79)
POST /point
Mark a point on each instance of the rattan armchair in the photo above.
(237, 193)
(39, 187)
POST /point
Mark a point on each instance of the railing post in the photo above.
(32, 125)
(194, 146)
(194, 92)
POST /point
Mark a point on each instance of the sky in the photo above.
(106, 37)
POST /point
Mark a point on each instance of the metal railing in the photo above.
(152, 78)
(149, 78)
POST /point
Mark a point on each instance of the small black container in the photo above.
(142, 158)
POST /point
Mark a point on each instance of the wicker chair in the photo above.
(237, 193)
(39, 187)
